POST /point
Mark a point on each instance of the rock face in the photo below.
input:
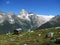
(8, 22)
(54, 22)
(25, 20)
(33, 20)
(24, 15)
(36, 20)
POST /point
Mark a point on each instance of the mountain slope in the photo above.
(54, 22)
(8, 22)
(33, 20)
(6, 27)
(25, 20)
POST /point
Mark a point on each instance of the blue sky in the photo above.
(43, 7)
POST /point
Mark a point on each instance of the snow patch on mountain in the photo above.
(24, 15)
(46, 17)
(10, 17)
(1, 19)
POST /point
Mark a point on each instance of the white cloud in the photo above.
(7, 2)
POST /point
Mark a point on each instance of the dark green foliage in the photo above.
(6, 27)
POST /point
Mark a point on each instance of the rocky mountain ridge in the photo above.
(25, 20)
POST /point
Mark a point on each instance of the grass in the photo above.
(29, 38)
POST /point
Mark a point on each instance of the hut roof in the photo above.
(18, 29)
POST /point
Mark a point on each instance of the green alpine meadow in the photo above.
(37, 37)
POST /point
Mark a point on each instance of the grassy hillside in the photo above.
(37, 37)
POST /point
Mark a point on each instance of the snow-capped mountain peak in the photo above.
(24, 15)
(23, 12)
(25, 20)
(10, 13)
(46, 17)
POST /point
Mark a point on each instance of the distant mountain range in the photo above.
(54, 22)
(25, 20)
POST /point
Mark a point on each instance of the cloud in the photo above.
(7, 2)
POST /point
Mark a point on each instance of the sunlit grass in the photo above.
(29, 38)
